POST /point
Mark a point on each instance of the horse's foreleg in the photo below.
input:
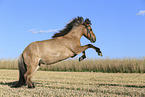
(83, 48)
(97, 49)
(83, 56)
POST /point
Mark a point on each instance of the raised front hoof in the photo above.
(82, 58)
(100, 54)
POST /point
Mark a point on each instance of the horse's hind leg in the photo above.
(28, 75)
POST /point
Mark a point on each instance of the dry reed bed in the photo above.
(125, 65)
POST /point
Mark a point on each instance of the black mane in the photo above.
(69, 26)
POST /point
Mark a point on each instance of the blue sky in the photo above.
(119, 25)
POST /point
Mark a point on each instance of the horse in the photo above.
(63, 45)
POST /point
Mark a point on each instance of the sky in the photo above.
(119, 25)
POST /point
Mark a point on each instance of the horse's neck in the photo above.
(76, 32)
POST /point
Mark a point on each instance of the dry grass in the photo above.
(131, 65)
(74, 84)
(126, 65)
(8, 63)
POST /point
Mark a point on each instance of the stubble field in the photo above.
(62, 84)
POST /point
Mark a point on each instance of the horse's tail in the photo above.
(22, 70)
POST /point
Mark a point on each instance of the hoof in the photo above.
(31, 86)
(100, 54)
(82, 58)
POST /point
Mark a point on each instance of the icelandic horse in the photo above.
(63, 45)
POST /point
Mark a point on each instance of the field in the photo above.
(60, 84)
(91, 77)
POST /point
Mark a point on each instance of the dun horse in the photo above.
(63, 45)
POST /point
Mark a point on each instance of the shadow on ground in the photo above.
(8, 83)
(133, 86)
(11, 84)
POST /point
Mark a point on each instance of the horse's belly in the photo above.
(55, 56)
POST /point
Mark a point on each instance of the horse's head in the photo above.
(88, 32)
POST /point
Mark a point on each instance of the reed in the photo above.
(125, 65)
(9, 63)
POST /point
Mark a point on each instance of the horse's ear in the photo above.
(80, 20)
(87, 21)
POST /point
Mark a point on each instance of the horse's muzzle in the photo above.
(93, 40)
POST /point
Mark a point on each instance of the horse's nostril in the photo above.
(93, 40)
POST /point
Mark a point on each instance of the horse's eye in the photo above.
(90, 29)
